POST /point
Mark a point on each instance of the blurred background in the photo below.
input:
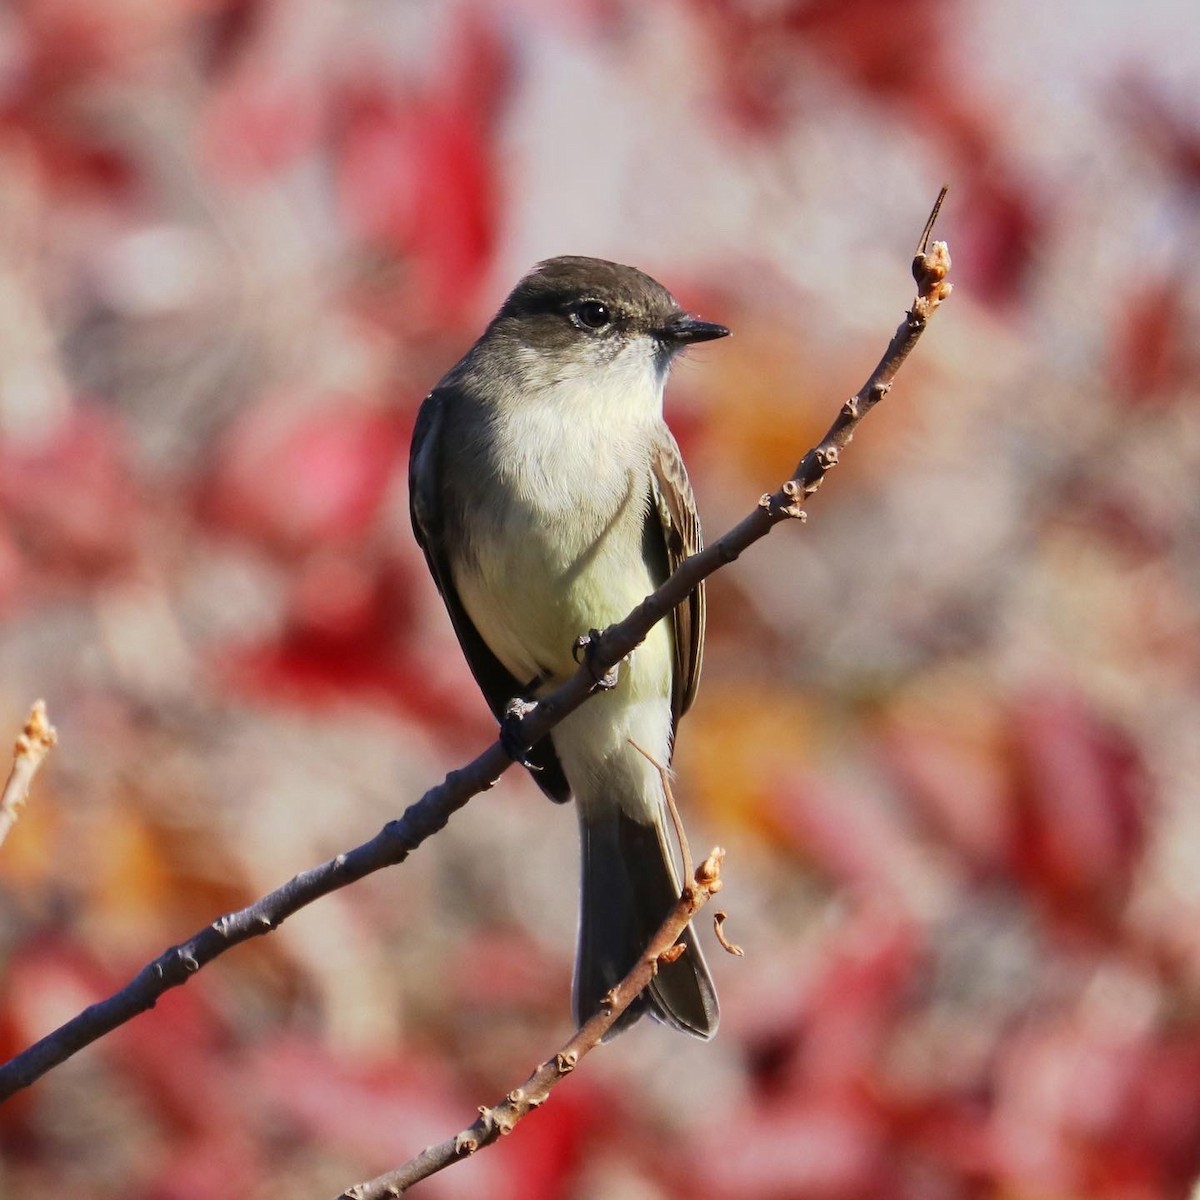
(947, 730)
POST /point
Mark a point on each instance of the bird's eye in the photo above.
(593, 314)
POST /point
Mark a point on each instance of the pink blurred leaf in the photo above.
(857, 841)
(1153, 339)
(295, 479)
(261, 120)
(415, 172)
(1084, 798)
(959, 783)
(68, 493)
(821, 1151)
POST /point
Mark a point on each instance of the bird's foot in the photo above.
(514, 745)
(585, 650)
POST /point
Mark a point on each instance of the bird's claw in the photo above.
(514, 745)
(585, 650)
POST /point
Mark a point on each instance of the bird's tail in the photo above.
(629, 886)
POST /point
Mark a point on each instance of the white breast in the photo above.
(557, 549)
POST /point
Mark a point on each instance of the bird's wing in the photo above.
(427, 507)
(672, 526)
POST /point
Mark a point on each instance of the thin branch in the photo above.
(719, 919)
(664, 775)
(28, 755)
(495, 1122)
(927, 232)
(400, 837)
(663, 947)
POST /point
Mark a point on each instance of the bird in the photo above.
(549, 498)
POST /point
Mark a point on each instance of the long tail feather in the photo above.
(629, 886)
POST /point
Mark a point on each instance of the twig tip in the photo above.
(708, 873)
(927, 232)
(719, 919)
(37, 734)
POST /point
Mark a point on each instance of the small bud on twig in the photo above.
(31, 748)
(708, 873)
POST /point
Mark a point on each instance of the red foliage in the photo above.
(1153, 356)
(1082, 798)
(299, 479)
(416, 173)
(259, 122)
(67, 497)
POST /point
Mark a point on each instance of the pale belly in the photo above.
(532, 597)
(533, 583)
(530, 607)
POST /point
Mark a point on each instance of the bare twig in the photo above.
(400, 837)
(927, 232)
(28, 754)
(664, 774)
(494, 1122)
(719, 919)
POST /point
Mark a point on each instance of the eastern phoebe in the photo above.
(550, 499)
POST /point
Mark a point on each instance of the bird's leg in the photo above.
(587, 646)
(514, 745)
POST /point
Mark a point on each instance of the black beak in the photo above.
(684, 329)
